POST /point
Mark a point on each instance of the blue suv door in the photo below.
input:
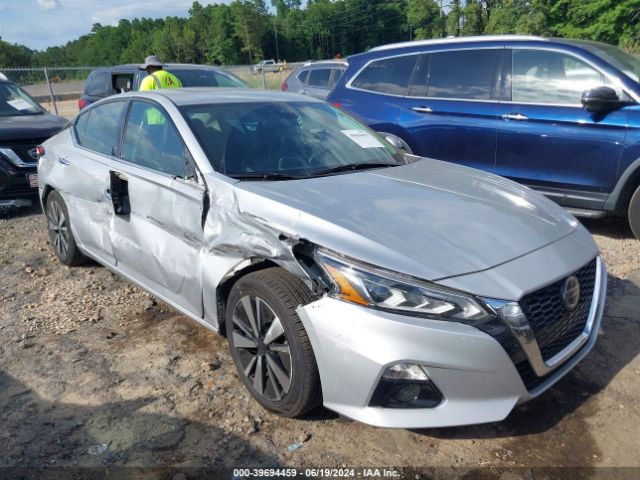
(547, 140)
(450, 112)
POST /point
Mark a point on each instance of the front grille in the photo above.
(17, 190)
(553, 324)
(23, 150)
(529, 377)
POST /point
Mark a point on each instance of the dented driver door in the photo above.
(156, 231)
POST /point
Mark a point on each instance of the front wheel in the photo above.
(269, 344)
(634, 213)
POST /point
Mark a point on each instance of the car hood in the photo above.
(429, 219)
(26, 127)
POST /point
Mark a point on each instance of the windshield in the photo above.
(14, 101)
(208, 78)
(293, 139)
(620, 59)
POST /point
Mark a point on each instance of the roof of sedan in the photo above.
(205, 95)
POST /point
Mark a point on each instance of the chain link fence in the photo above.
(59, 88)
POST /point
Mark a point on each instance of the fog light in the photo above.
(408, 393)
(405, 385)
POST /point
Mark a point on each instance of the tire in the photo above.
(289, 382)
(62, 240)
(634, 213)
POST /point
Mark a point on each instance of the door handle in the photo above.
(422, 109)
(303, 92)
(514, 116)
(63, 161)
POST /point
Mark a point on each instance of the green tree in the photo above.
(426, 18)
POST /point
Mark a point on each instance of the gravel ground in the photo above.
(89, 362)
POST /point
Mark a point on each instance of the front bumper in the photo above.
(15, 189)
(477, 378)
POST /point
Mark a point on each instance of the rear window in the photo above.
(390, 75)
(97, 83)
(319, 77)
(207, 78)
(98, 129)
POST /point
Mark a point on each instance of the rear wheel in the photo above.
(64, 245)
(634, 213)
(269, 344)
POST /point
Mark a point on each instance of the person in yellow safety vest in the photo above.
(157, 78)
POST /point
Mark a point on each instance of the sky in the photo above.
(39, 24)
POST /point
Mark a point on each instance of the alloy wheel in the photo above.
(262, 347)
(59, 229)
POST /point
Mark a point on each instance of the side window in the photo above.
(80, 126)
(319, 77)
(390, 75)
(540, 76)
(97, 84)
(303, 76)
(337, 73)
(122, 82)
(466, 74)
(151, 140)
(100, 131)
(226, 82)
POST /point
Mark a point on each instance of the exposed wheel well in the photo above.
(631, 185)
(47, 190)
(222, 291)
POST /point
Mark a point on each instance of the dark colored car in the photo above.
(560, 116)
(104, 82)
(24, 125)
(315, 79)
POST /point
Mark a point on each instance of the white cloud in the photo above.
(18, 18)
(48, 4)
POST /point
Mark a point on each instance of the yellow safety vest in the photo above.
(160, 79)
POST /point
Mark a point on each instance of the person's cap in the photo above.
(151, 61)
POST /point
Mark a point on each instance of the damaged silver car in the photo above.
(395, 290)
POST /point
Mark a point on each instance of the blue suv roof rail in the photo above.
(477, 38)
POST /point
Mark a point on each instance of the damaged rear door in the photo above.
(156, 231)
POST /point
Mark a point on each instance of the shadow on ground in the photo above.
(51, 438)
(612, 227)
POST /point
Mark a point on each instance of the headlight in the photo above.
(373, 287)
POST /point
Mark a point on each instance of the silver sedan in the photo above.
(396, 290)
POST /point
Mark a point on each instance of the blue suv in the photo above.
(560, 116)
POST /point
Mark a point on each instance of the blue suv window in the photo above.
(390, 75)
(465, 74)
(541, 76)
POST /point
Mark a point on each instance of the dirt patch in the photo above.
(86, 359)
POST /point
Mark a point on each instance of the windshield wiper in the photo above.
(353, 167)
(264, 176)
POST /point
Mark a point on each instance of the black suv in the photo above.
(104, 82)
(24, 125)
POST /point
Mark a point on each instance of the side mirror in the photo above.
(393, 140)
(600, 99)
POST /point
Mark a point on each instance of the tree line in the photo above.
(246, 31)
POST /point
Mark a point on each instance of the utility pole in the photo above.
(246, 31)
(275, 31)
